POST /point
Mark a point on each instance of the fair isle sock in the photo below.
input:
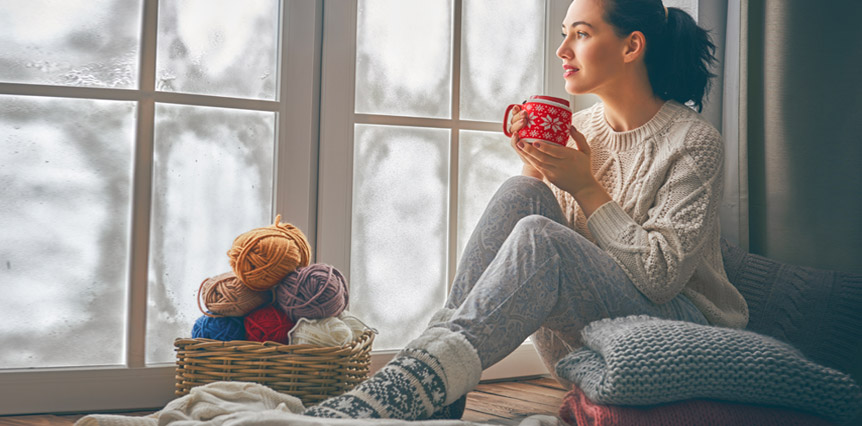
(432, 372)
(409, 387)
(453, 411)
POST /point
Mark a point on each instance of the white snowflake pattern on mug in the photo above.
(554, 124)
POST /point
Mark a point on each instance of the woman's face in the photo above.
(592, 53)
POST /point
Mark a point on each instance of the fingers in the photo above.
(535, 157)
(545, 151)
(580, 140)
(518, 120)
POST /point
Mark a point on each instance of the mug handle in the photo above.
(506, 120)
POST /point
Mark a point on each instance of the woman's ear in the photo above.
(635, 46)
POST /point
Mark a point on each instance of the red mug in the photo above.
(548, 119)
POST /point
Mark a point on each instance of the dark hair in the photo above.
(678, 52)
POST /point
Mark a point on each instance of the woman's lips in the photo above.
(569, 71)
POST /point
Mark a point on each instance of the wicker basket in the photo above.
(310, 373)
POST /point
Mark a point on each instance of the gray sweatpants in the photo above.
(525, 272)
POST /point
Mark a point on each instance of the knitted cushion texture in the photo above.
(815, 310)
(578, 410)
(640, 360)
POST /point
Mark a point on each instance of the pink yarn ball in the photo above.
(314, 292)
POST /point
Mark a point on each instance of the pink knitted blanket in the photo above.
(580, 411)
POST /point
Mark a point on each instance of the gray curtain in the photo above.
(800, 121)
(803, 123)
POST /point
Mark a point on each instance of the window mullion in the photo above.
(48, 91)
(296, 154)
(136, 326)
(454, 140)
(435, 123)
(337, 123)
(554, 84)
(214, 101)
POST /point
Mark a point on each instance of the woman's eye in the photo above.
(563, 35)
(582, 34)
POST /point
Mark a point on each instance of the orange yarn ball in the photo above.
(268, 324)
(260, 258)
(226, 295)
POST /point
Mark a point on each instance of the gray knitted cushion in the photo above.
(815, 310)
(640, 360)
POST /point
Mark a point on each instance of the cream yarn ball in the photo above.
(332, 331)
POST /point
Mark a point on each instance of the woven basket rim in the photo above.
(184, 341)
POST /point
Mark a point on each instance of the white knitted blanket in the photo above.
(240, 403)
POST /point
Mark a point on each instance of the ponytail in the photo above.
(678, 53)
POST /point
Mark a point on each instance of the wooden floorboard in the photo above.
(499, 403)
(510, 402)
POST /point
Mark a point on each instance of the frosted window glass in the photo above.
(485, 161)
(399, 230)
(690, 6)
(502, 56)
(70, 43)
(403, 57)
(65, 182)
(212, 181)
(218, 47)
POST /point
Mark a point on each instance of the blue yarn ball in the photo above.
(221, 328)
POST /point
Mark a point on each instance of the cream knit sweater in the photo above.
(665, 179)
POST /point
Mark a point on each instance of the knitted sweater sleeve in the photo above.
(661, 254)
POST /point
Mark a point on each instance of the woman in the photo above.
(622, 221)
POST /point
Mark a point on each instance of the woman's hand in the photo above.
(567, 168)
(516, 123)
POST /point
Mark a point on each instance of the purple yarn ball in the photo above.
(219, 328)
(314, 292)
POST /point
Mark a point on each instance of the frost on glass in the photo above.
(485, 161)
(90, 43)
(502, 56)
(218, 47)
(689, 6)
(212, 181)
(403, 57)
(65, 182)
(399, 229)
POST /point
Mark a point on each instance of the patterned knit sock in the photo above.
(453, 411)
(433, 371)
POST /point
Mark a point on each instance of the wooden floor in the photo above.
(507, 403)
(499, 403)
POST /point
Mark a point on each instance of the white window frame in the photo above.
(136, 385)
(336, 147)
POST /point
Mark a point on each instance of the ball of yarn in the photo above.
(321, 332)
(226, 295)
(334, 331)
(355, 324)
(219, 328)
(260, 258)
(267, 323)
(313, 292)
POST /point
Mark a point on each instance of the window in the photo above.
(139, 139)
(412, 154)
(137, 143)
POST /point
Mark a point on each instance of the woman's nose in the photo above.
(564, 52)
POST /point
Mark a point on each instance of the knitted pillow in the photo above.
(815, 310)
(639, 360)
